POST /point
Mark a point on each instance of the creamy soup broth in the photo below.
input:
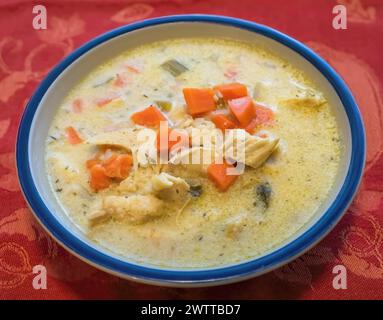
(261, 209)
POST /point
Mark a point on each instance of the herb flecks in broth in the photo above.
(193, 215)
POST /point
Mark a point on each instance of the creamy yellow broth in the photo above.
(215, 228)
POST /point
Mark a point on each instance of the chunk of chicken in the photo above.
(306, 97)
(257, 149)
(170, 188)
(164, 181)
(136, 208)
(139, 180)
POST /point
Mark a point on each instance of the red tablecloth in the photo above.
(25, 57)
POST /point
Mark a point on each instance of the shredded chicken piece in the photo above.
(306, 97)
(135, 208)
(97, 216)
(139, 180)
(170, 188)
(257, 149)
(164, 181)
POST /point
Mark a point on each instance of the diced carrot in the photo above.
(126, 162)
(91, 162)
(119, 81)
(243, 109)
(77, 105)
(181, 137)
(218, 174)
(98, 178)
(118, 166)
(109, 162)
(263, 116)
(101, 172)
(232, 90)
(150, 116)
(223, 122)
(72, 136)
(199, 100)
(250, 128)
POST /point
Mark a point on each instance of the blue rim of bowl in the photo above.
(221, 274)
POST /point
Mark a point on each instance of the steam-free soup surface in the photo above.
(206, 226)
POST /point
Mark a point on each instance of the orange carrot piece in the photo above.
(252, 125)
(199, 100)
(77, 105)
(232, 90)
(110, 160)
(91, 162)
(223, 122)
(243, 109)
(72, 136)
(218, 175)
(98, 178)
(118, 166)
(150, 116)
(126, 163)
(263, 116)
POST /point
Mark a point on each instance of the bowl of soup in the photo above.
(190, 150)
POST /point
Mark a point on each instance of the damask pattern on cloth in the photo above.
(26, 55)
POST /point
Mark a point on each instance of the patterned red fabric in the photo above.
(27, 54)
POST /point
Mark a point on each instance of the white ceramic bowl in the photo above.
(44, 103)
